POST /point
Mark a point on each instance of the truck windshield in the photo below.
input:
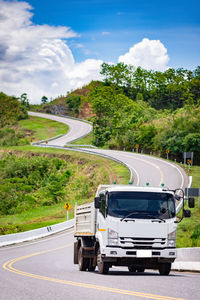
(141, 205)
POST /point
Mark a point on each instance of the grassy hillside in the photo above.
(35, 184)
(75, 103)
(39, 129)
(32, 129)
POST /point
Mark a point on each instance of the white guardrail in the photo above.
(15, 238)
(90, 152)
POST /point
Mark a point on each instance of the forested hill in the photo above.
(131, 108)
(11, 110)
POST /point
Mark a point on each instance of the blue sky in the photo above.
(52, 47)
(175, 23)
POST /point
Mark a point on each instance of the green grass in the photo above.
(188, 232)
(33, 219)
(88, 172)
(41, 129)
(87, 140)
(120, 172)
(195, 173)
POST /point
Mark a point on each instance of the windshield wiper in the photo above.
(131, 214)
(142, 213)
(156, 218)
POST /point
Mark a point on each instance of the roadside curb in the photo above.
(183, 266)
(188, 259)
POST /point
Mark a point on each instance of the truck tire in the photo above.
(103, 267)
(132, 269)
(164, 268)
(83, 262)
(141, 269)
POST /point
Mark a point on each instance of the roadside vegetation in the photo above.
(188, 232)
(12, 110)
(35, 184)
(17, 128)
(40, 129)
(134, 108)
(87, 140)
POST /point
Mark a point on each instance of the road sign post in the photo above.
(67, 207)
(137, 147)
(189, 156)
(167, 152)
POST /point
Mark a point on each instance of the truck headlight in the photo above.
(112, 237)
(172, 239)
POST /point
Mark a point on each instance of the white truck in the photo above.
(128, 226)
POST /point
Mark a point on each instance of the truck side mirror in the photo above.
(187, 213)
(191, 202)
(177, 197)
(97, 202)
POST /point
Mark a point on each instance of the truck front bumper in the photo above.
(116, 252)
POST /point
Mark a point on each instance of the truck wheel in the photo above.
(164, 268)
(132, 269)
(103, 267)
(91, 268)
(141, 270)
(82, 261)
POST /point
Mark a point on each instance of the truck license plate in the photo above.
(144, 253)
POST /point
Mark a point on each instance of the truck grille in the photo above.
(142, 243)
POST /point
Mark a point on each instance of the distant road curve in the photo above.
(76, 131)
(146, 168)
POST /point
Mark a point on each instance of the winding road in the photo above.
(44, 269)
(146, 168)
(77, 128)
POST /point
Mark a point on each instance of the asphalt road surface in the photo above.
(44, 269)
(77, 128)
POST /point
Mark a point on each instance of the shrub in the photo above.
(8, 137)
(29, 182)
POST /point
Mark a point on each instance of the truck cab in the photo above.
(132, 226)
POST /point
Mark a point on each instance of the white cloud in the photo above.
(35, 58)
(148, 54)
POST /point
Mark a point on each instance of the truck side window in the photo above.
(103, 204)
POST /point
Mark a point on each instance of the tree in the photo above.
(73, 103)
(119, 74)
(44, 99)
(139, 97)
(192, 142)
(24, 100)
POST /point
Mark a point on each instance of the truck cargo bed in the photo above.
(84, 220)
